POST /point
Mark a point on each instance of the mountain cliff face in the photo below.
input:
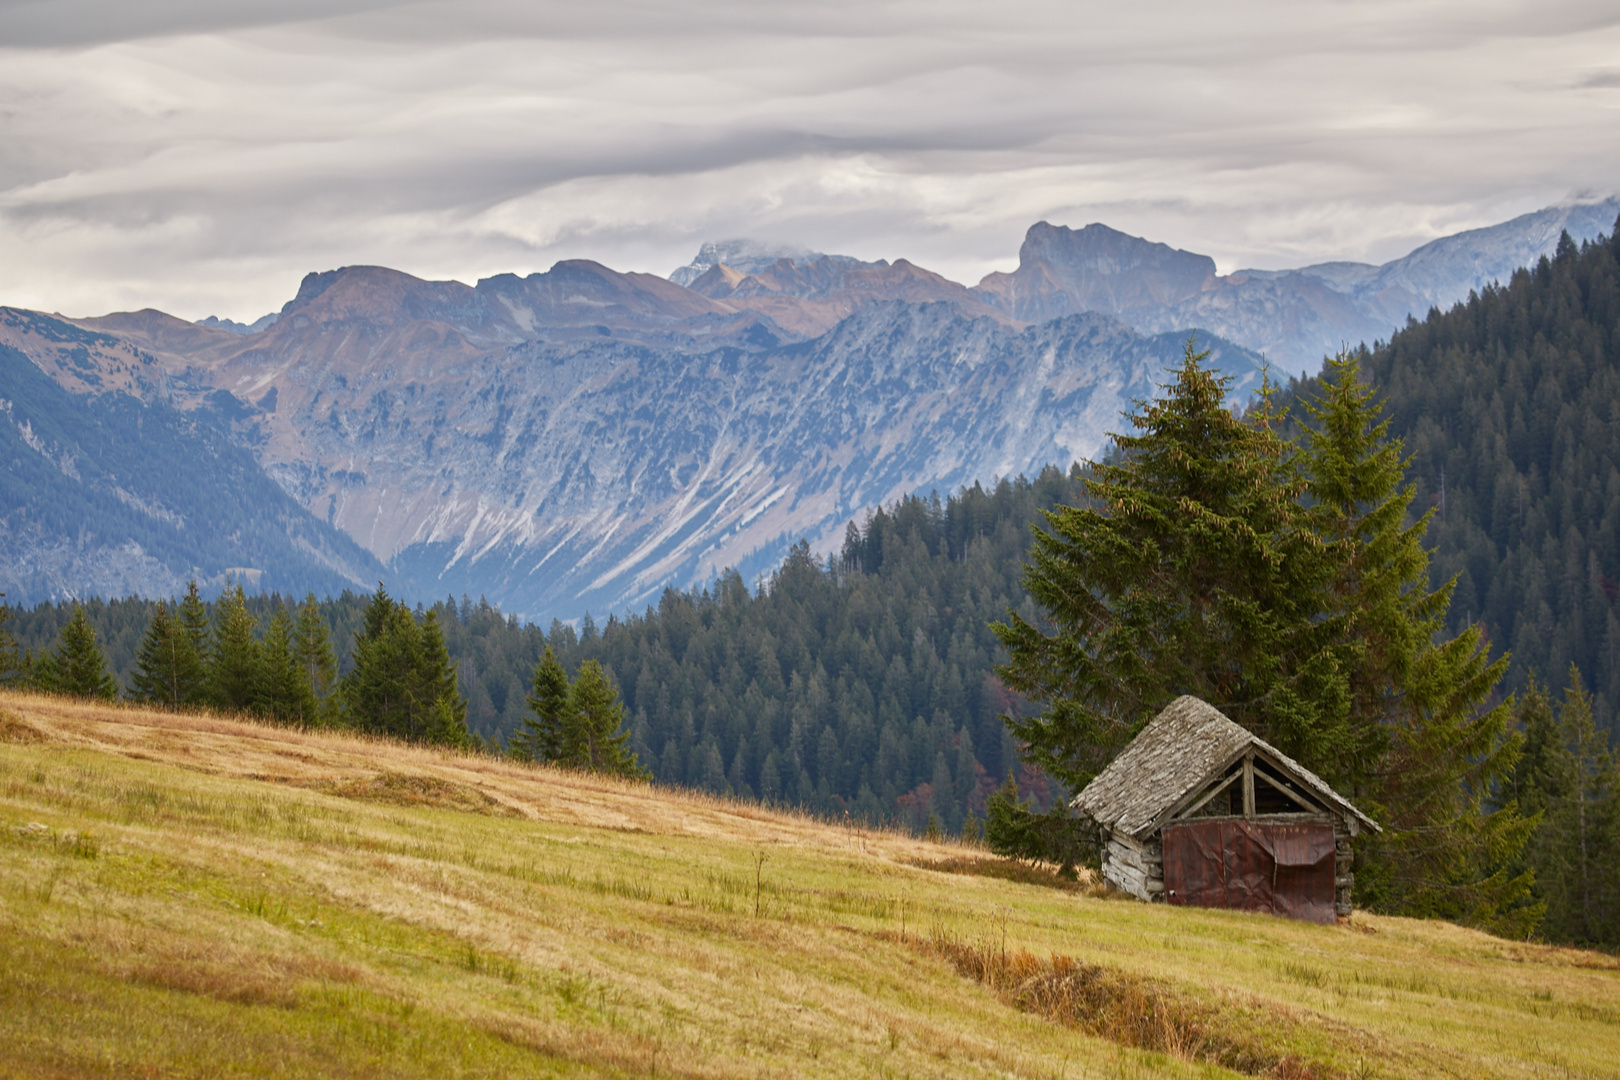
(628, 468)
(1061, 271)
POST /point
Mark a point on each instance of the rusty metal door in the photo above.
(1284, 869)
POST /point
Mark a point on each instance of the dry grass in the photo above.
(401, 790)
(203, 896)
(15, 730)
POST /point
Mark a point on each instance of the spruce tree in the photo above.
(1423, 754)
(444, 718)
(233, 660)
(1192, 571)
(549, 732)
(283, 692)
(77, 666)
(194, 627)
(1014, 830)
(312, 646)
(168, 671)
(599, 745)
(14, 665)
(1539, 776)
(375, 691)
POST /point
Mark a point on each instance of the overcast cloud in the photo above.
(201, 157)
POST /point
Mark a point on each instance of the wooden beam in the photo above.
(1309, 806)
(1248, 785)
(1208, 795)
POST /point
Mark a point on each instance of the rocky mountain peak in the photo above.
(812, 297)
(214, 322)
(1063, 270)
(376, 294)
(581, 293)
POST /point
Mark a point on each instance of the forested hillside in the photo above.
(1510, 407)
(862, 685)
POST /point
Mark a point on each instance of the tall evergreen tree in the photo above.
(194, 626)
(233, 659)
(1505, 403)
(312, 647)
(549, 731)
(595, 708)
(376, 690)
(168, 671)
(1193, 571)
(14, 665)
(283, 692)
(1424, 754)
(445, 723)
(77, 666)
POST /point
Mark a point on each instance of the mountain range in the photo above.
(582, 438)
(1292, 317)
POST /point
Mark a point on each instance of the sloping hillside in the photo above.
(192, 896)
(103, 494)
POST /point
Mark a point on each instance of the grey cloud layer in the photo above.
(202, 157)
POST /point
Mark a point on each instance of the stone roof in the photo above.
(1182, 749)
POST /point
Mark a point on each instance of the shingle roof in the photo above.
(1183, 748)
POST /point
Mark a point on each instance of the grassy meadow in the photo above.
(194, 896)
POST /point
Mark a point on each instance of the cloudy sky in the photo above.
(202, 155)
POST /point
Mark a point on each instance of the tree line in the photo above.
(194, 655)
(399, 680)
(861, 684)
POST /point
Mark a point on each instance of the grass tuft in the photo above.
(398, 789)
(14, 729)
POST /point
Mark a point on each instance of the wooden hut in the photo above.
(1197, 810)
